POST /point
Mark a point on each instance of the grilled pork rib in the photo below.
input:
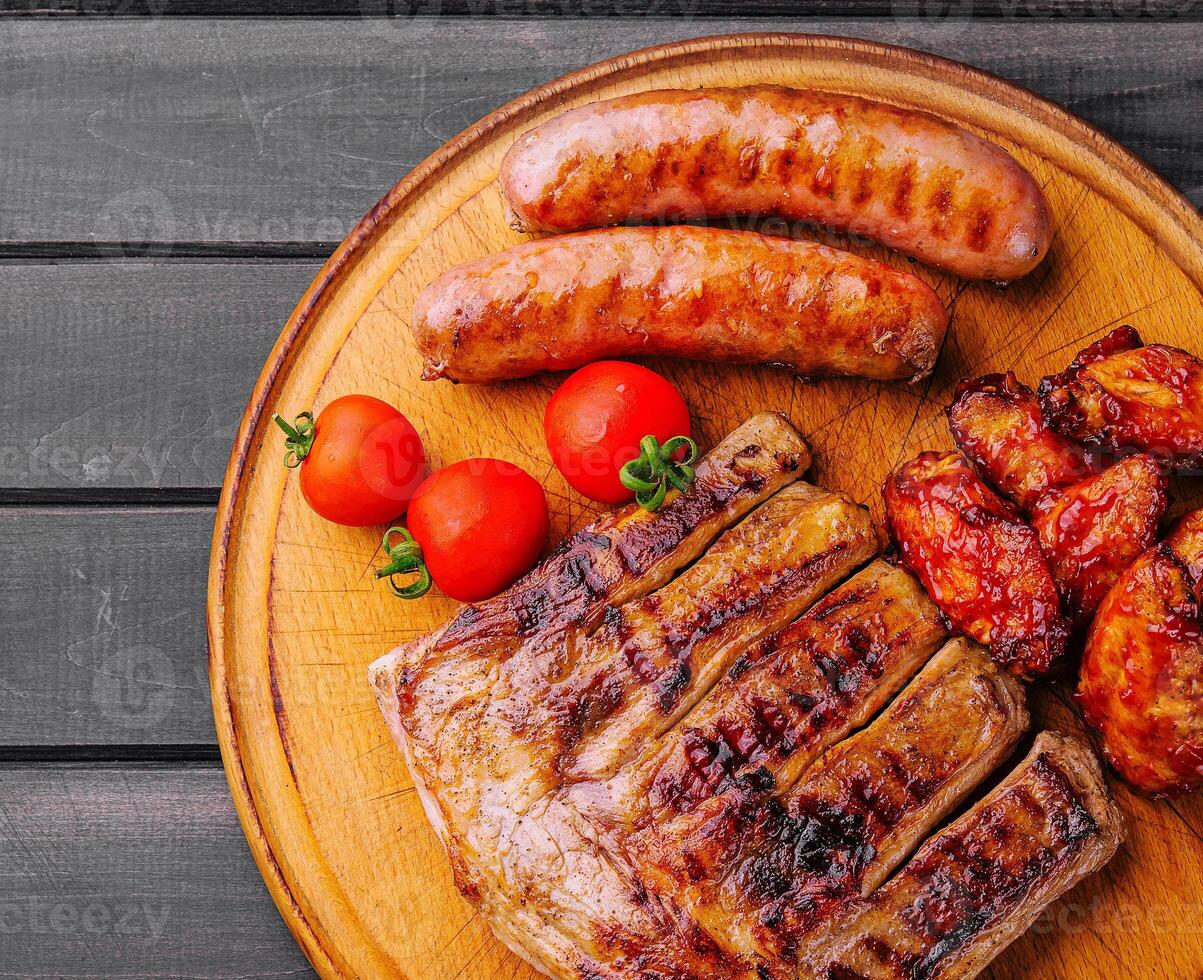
(638, 757)
(976, 886)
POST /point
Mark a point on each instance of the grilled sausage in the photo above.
(904, 178)
(697, 293)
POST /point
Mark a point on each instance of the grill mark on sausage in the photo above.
(824, 162)
(660, 160)
(865, 179)
(939, 206)
(750, 156)
(901, 204)
(822, 184)
(979, 229)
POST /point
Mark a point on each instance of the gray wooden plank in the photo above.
(132, 872)
(1008, 9)
(262, 130)
(133, 374)
(102, 634)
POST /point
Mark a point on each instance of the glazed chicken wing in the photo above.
(978, 560)
(996, 422)
(1091, 525)
(1125, 396)
(1142, 672)
(1092, 531)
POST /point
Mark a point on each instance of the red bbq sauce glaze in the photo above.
(980, 563)
(1091, 531)
(1142, 672)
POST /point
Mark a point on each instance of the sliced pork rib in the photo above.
(789, 860)
(976, 886)
(641, 757)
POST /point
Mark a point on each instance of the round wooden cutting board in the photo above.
(295, 615)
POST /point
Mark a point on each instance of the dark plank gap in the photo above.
(131, 754)
(205, 497)
(132, 375)
(131, 872)
(923, 9)
(271, 130)
(103, 632)
(159, 251)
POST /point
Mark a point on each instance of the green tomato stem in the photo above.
(655, 469)
(298, 438)
(405, 557)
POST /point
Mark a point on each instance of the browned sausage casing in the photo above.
(696, 293)
(901, 177)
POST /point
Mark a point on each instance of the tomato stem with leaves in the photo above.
(298, 437)
(655, 469)
(405, 557)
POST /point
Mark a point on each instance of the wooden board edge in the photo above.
(1187, 250)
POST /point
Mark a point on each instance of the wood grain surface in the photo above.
(294, 616)
(1090, 10)
(104, 629)
(133, 375)
(131, 871)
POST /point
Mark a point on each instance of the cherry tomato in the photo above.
(481, 524)
(360, 462)
(596, 419)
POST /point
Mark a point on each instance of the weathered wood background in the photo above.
(171, 175)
